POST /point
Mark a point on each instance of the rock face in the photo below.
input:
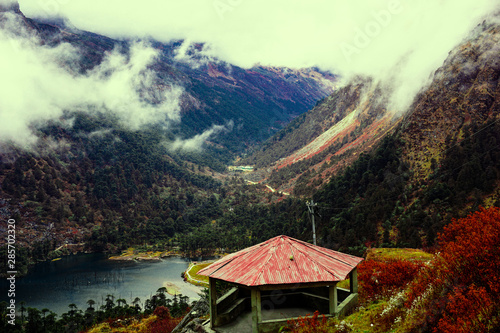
(192, 322)
(196, 326)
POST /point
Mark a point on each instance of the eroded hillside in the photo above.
(463, 96)
(317, 145)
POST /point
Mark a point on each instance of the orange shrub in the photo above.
(463, 284)
(382, 278)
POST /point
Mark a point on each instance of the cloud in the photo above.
(39, 83)
(8, 2)
(398, 42)
(196, 143)
(195, 55)
(127, 88)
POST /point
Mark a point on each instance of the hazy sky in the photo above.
(398, 42)
(371, 37)
(329, 33)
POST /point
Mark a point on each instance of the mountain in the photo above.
(10, 6)
(93, 181)
(324, 141)
(257, 101)
(379, 177)
(462, 99)
(384, 179)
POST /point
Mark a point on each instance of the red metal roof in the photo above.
(282, 260)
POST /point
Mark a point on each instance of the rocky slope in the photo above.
(318, 144)
(464, 93)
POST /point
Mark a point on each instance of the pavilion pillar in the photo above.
(256, 310)
(353, 276)
(333, 299)
(213, 302)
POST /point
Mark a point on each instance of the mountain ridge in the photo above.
(354, 118)
(91, 179)
(259, 100)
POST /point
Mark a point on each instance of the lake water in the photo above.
(78, 278)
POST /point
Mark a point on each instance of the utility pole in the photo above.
(310, 207)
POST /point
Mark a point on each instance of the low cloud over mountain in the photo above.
(398, 42)
(40, 83)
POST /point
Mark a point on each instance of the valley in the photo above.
(149, 148)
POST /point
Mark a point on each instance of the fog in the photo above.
(399, 43)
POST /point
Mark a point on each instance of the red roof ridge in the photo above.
(264, 265)
(314, 248)
(234, 255)
(282, 260)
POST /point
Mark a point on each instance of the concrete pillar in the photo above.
(354, 281)
(333, 299)
(256, 310)
(213, 302)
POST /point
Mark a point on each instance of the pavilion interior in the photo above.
(234, 310)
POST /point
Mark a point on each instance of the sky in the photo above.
(399, 43)
(361, 35)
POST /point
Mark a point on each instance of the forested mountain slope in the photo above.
(380, 178)
(442, 160)
(462, 97)
(90, 178)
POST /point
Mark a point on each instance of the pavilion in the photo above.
(282, 272)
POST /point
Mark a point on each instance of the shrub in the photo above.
(460, 291)
(309, 324)
(162, 312)
(384, 278)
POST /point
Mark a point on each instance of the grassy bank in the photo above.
(133, 254)
(191, 275)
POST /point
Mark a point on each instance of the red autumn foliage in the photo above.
(465, 278)
(162, 312)
(468, 310)
(381, 278)
(471, 247)
(309, 324)
(164, 322)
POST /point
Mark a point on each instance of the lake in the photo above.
(78, 278)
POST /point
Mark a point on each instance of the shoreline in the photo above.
(195, 279)
(131, 254)
(128, 255)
